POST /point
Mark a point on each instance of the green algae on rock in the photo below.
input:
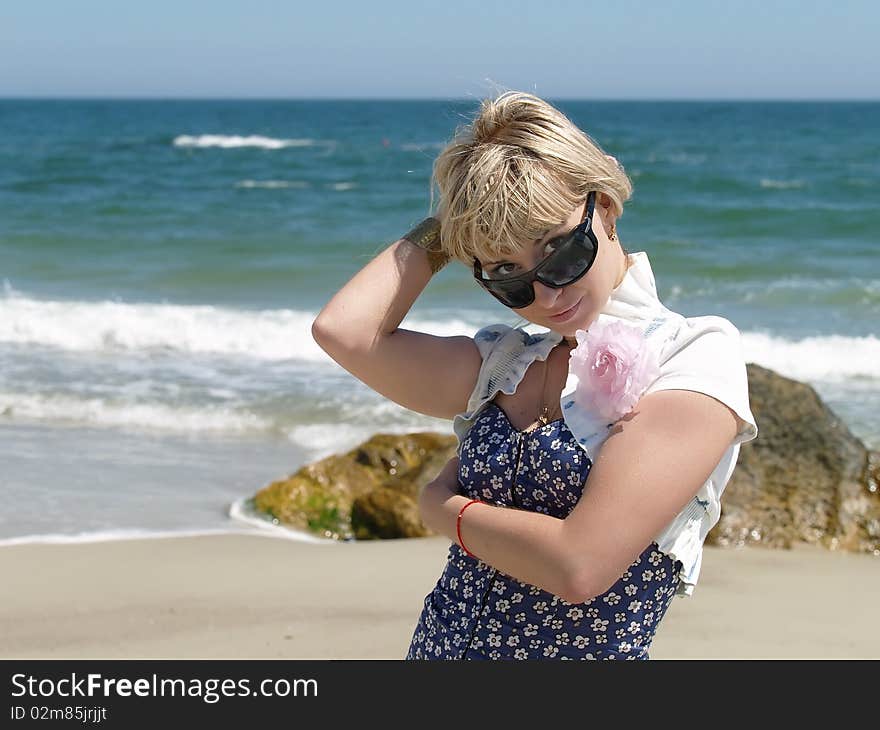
(367, 493)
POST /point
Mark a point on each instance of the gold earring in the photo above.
(612, 235)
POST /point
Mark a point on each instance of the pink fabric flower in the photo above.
(614, 368)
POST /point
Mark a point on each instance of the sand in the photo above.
(253, 596)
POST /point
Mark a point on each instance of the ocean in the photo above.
(162, 262)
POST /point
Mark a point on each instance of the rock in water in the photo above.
(370, 492)
(806, 478)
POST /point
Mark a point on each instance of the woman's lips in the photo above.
(567, 313)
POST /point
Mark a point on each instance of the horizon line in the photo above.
(445, 99)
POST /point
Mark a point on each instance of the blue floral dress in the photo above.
(477, 612)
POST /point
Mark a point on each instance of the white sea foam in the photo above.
(342, 186)
(678, 158)
(58, 408)
(782, 184)
(828, 358)
(108, 535)
(136, 534)
(825, 357)
(285, 334)
(273, 184)
(813, 289)
(852, 362)
(319, 439)
(239, 512)
(451, 326)
(324, 439)
(421, 146)
(227, 141)
(114, 327)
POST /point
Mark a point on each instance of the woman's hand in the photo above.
(504, 537)
(436, 493)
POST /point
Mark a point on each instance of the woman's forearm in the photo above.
(525, 545)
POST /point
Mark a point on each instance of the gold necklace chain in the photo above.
(544, 417)
(543, 420)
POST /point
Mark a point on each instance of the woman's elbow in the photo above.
(576, 584)
(580, 590)
(333, 341)
(320, 329)
(576, 590)
(572, 596)
(585, 579)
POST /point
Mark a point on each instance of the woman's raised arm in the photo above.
(359, 329)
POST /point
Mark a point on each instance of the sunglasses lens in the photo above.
(570, 262)
(513, 293)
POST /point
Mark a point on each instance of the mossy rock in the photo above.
(369, 492)
(805, 479)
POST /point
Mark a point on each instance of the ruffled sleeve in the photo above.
(487, 338)
(507, 353)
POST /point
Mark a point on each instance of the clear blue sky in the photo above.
(618, 49)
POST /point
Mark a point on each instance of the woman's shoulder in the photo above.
(709, 337)
(705, 354)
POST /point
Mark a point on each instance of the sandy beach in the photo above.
(244, 596)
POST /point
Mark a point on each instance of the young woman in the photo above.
(571, 533)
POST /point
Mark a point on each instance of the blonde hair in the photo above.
(514, 172)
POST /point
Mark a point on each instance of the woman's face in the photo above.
(588, 295)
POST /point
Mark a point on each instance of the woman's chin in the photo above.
(581, 319)
(569, 329)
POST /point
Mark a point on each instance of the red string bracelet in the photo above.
(458, 525)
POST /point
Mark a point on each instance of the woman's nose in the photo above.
(545, 296)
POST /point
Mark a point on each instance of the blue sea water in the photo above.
(162, 263)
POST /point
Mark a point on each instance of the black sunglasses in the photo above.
(573, 257)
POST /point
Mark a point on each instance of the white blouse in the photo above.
(703, 354)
